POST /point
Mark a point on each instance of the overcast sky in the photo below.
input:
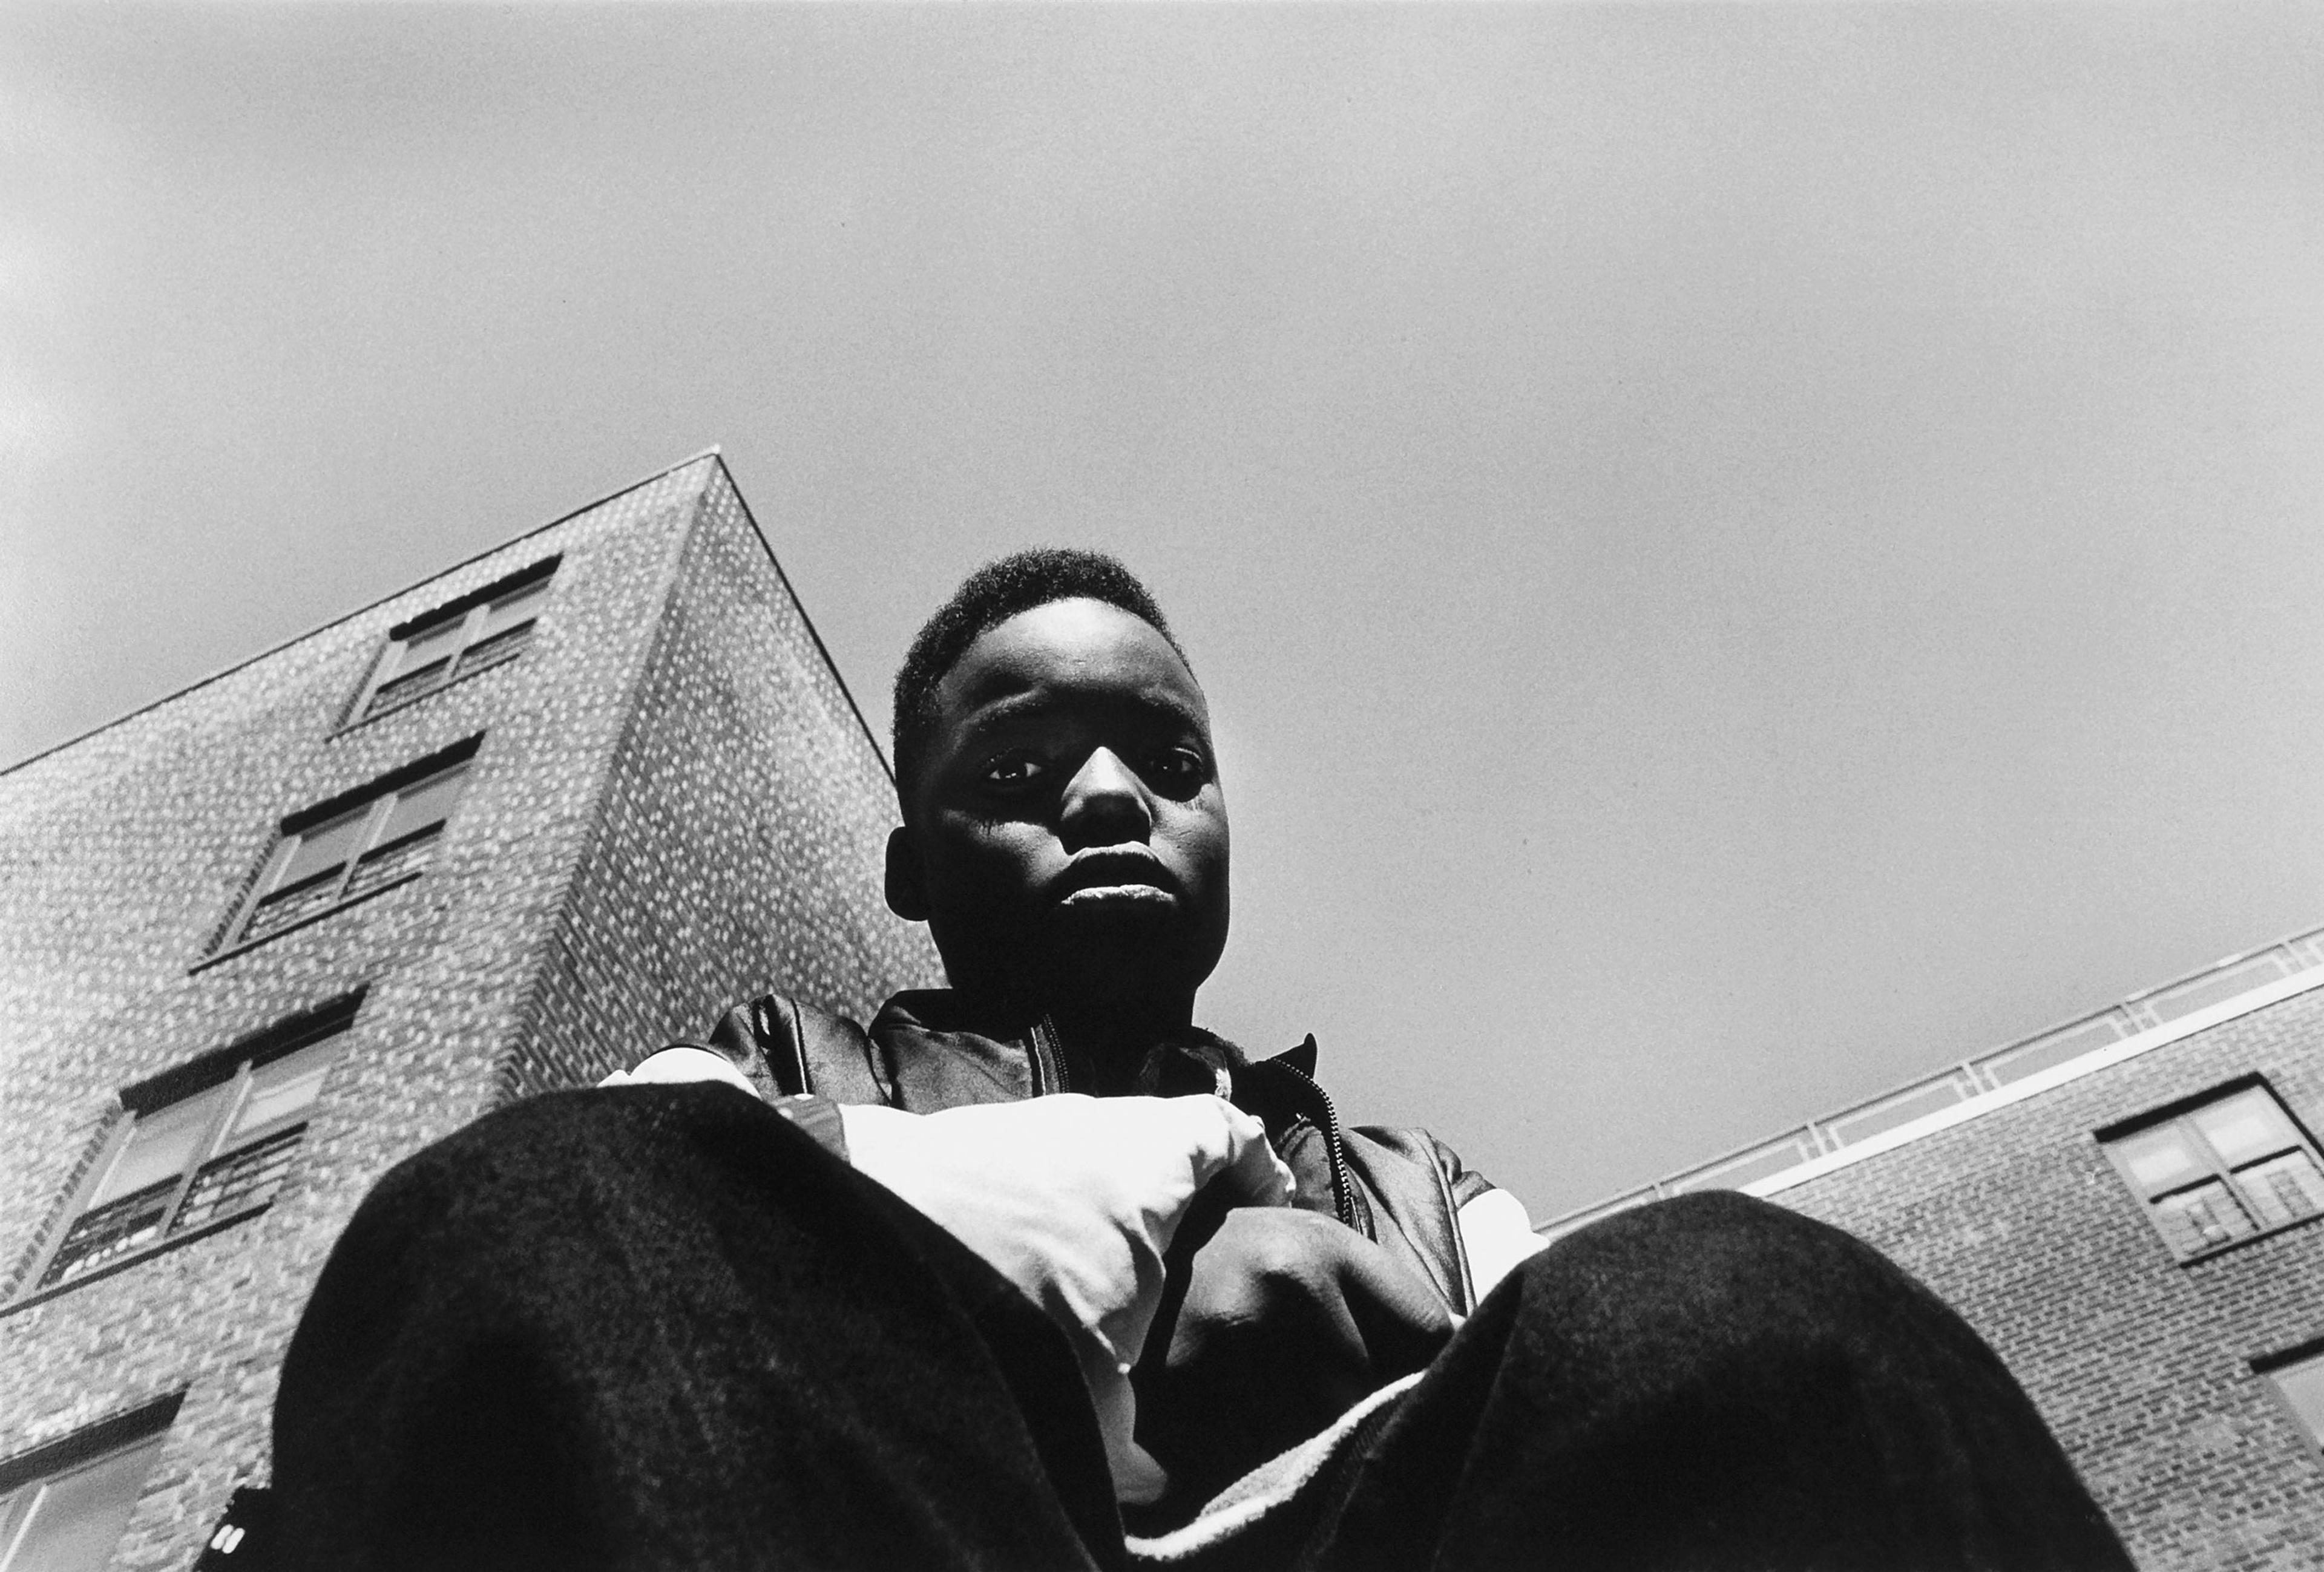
(1741, 552)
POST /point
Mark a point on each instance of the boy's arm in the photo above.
(1072, 1198)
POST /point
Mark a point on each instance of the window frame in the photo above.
(107, 1438)
(471, 612)
(2272, 1368)
(233, 1067)
(2113, 1139)
(376, 802)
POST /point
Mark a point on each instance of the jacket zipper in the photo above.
(1049, 1073)
(1344, 1183)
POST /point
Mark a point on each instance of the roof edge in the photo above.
(838, 677)
(2300, 952)
(712, 452)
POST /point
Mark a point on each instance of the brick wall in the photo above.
(2142, 1364)
(122, 856)
(738, 847)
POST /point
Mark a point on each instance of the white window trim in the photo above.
(92, 1445)
(471, 622)
(237, 935)
(331, 1023)
(2220, 1170)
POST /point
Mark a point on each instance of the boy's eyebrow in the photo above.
(1025, 702)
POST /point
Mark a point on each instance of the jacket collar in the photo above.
(941, 1051)
(1031, 1054)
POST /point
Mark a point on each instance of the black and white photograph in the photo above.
(626, 632)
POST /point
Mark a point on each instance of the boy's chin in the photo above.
(1122, 951)
(1127, 934)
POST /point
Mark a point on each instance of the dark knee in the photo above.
(572, 1127)
(1792, 1393)
(1722, 1275)
(518, 1171)
(1711, 1238)
(1708, 1215)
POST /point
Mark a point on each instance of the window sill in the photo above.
(2232, 1246)
(247, 945)
(175, 1241)
(361, 720)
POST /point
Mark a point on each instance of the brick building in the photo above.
(2124, 1207)
(261, 939)
(494, 833)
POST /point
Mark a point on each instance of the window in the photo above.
(354, 845)
(475, 633)
(207, 1143)
(2298, 1383)
(62, 1508)
(2229, 1166)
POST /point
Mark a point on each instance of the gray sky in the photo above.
(1741, 552)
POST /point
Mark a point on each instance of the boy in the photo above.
(1034, 1258)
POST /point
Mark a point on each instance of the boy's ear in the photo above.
(906, 878)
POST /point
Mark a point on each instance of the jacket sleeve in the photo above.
(1465, 1183)
(1414, 1187)
(1496, 1232)
(787, 1048)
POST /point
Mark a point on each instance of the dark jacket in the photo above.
(1401, 1188)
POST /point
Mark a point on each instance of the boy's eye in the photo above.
(1178, 771)
(1013, 772)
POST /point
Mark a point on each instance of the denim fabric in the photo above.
(659, 1329)
(1715, 1381)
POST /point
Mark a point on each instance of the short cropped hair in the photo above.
(987, 598)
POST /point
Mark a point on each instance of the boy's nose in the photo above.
(1105, 804)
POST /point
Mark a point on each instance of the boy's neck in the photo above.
(1109, 1044)
(1105, 1041)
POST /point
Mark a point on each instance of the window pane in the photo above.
(429, 644)
(284, 907)
(323, 848)
(163, 1144)
(2246, 1126)
(77, 1517)
(516, 606)
(108, 1233)
(284, 1089)
(2283, 1189)
(491, 652)
(380, 868)
(244, 1178)
(2200, 1218)
(418, 806)
(2303, 1386)
(14, 1506)
(2161, 1158)
(410, 686)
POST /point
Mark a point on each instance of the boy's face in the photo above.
(1066, 839)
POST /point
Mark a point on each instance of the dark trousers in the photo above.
(659, 1327)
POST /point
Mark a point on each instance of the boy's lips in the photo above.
(1114, 895)
(1113, 877)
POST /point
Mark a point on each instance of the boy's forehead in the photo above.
(1066, 649)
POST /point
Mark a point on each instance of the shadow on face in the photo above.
(1066, 837)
